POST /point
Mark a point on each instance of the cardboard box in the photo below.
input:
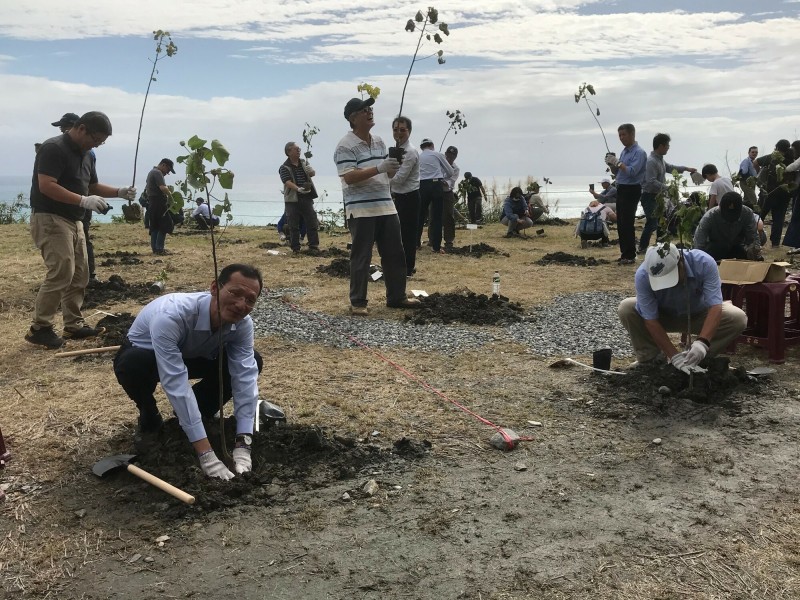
(740, 272)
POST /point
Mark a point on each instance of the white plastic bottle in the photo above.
(496, 283)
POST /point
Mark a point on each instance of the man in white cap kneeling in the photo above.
(667, 283)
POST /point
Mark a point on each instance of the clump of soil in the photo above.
(116, 328)
(286, 459)
(121, 257)
(115, 290)
(469, 307)
(271, 245)
(334, 252)
(339, 267)
(553, 221)
(476, 250)
(562, 258)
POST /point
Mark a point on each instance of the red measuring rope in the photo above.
(508, 440)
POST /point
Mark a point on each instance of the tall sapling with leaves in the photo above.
(420, 23)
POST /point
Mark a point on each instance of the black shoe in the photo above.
(313, 251)
(83, 332)
(145, 437)
(626, 261)
(45, 336)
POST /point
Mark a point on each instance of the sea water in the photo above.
(260, 201)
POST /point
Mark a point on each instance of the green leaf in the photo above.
(221, 155)
(419, 18)
(195, 143)
(444, 28)
(177, 196)
(226, 180)
(437, 38)
(410, 26)
(433, 15)
(590, 89)
(218, 210)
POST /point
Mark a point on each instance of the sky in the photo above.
(717, 76)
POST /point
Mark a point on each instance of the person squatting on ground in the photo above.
(629, 170)
(475, 197)
(719, 185)
(202, 215)
(666, 283)
(159, 220)
(593, 224)
(449, 199)
(175, 338)
(536, 206)
(405, 191)
(64, 185)
(298, 195)
(656, 169)
(515, 213)
(365, 169)
(608, 196)
(729, 231)
(433, 170)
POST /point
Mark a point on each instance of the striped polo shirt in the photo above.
(369, 198)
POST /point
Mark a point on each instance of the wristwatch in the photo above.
(243, 440)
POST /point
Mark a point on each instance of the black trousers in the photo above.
(777, 203)
(408, 212)
(137, 373)
(627, 203)
(431, 195)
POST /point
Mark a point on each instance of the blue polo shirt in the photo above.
(702, 282)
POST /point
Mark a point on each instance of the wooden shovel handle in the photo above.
(87, 351)
(161, 484)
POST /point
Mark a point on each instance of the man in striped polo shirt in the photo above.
(364, 168)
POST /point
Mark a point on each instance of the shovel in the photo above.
(112, 463)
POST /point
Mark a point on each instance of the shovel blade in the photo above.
(111, 463)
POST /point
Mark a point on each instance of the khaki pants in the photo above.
(732, 322)
(63, 247)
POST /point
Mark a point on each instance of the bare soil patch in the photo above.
(564, 258)
(467, 307)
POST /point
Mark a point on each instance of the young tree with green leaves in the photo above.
(583, 90)
(457, 123)
(420, 23)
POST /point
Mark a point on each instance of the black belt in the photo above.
(433, 180)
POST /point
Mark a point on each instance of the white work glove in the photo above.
(696, 353)
(242, 461)
(611, 159)
(214, 467)
(127, 193)
(679, 361)
(95, 203)
(388, 166)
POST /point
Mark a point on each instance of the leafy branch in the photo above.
(373, 91)
(420, 23)
(592, 106)
(161, 37)
(457, 123)
(309, 132)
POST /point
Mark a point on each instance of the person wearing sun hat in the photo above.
(729, 230)
(608, 196)
(666, 282)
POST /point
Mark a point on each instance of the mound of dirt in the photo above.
(121, 257)
(271, 245)
(471, 308)
(116, 328)
(476, 250)
(286, 459)
(115, 290)
(552, 221)
(339, 267)
(562, 258)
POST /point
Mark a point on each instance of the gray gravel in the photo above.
(572, 325)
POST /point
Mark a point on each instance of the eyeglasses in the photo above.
(94, 139)
(240, 295)
(400, 130)
(366, 109)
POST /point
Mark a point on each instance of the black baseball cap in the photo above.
(169, 163)
(356, 104)
(67, 119)
(730, 206)
(451, 150)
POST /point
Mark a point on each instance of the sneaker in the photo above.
(83, 332)
(44, 336)
(407, 303)
(145, 438)
(359, 311)
(282, 237)
(584, 244)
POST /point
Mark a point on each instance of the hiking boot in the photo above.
(359, 311)
(407, 303)
(44, 336)
(145, 438)
(83, 332)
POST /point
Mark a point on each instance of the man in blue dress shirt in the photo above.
(629, 170)
(176, 338)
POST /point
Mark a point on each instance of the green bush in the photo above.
(14, 212)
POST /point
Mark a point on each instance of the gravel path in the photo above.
(573, 325)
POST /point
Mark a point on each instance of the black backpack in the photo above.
(591, 223)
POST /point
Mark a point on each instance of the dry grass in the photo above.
(60, 415)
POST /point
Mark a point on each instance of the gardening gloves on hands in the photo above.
(127, 193)
(95, 203)
(388, 166)
(242, 461)
(611, 159)
(214, 467)
(679, 361)
(696, 353)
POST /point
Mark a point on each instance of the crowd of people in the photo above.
(389, 195)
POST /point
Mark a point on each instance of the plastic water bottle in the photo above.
(496, 283)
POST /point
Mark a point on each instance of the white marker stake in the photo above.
(470, 227)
